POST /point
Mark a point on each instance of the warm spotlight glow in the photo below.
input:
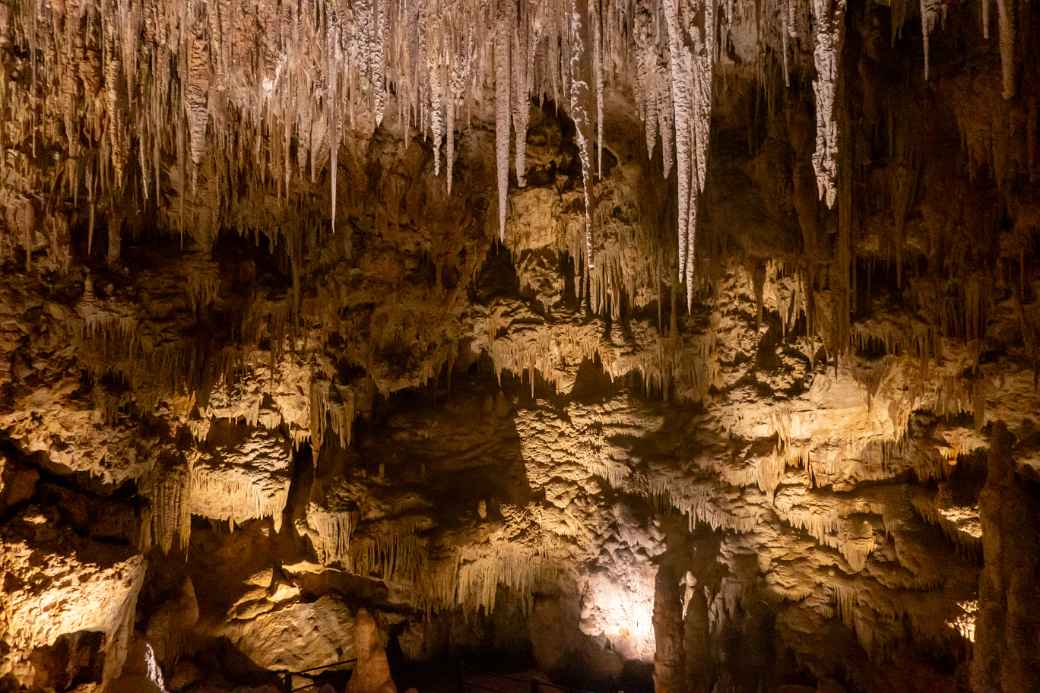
(154, 673)
(621, 612)
(964, 623)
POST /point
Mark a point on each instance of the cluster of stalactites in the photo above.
(258, 94)
(333, 409)
(268, 89)
(540, 50)
(676, 48)
(933, 14)
(692, 62)
(471, 579)
(264, 91)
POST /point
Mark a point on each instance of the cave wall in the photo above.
(274, 349)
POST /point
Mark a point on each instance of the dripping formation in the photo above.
(675, 343)
(272, 116)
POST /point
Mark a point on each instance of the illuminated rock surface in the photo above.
(670, 343)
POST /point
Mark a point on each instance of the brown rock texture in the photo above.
(670, 344)
(372, 671)
(1007, 626)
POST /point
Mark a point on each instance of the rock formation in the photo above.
(1006, 625)
(666, 343)
(371, 671)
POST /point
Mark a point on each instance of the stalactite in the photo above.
(665, 114)
(169, 493)
(106, 326)
(845, 600)
(168, 74)
(459, 77)
(432, 52)
(689, 365)
(1006, 26)
(932, 12)
(726, 602)
(770, 472)
(333, 529)
(503, 34)
(517, 568)
(332, 115)
(373, 19)
(701, 503)
(829, 36)
(520, 97)
(681, 65)
(117, 144)
(647, 66)
(964, 622)
(597, 76)
(395, 555)
(331, 413)
(92, 214)
(196, 101)
(703, 70)
(166, 78)
(235, 495)
(785, 18)
(577, 94)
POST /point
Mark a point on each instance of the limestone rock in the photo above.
(241, 481)
(170, 621)
(58, 585)
(1006, 627)
(371, 672)
(297, 636)
(238, 285)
